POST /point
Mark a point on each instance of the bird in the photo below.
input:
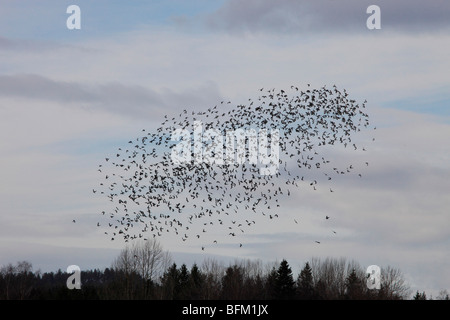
(148, 192)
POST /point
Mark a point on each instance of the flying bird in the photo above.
(148, 193)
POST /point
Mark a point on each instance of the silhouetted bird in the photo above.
(149, 193)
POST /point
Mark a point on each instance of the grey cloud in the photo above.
(287, 16)
(7, 43)
(130, 100)
(48, 258)
(37, 87)
(30, 45)
(16, 44)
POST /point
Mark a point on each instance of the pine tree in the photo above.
(232, 283)
(305, 285)
(170, 282)
(197, 280)
(354, 288)
(270, 284)
(183, 283)
(284, 283)
(420, 296)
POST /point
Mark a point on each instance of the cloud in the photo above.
(322, 16)
(51, 257)
(97, 93)
(144, 63)
(29, 45)
(7, 44)
(115, 97)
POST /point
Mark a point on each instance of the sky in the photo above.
(68, 98)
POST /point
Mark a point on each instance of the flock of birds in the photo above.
(151, 195)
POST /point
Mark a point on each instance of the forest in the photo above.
(144, 271)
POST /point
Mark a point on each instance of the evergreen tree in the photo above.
(232, 283)
(354, 287)
(183, 283)
(170, 282)
(420, 296)
(270, 284)
(240, 281)
(305, 285)
(256, 288)
(197, 280)
(284, 283)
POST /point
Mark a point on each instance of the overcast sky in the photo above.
(70, 97)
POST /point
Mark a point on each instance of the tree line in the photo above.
(144, 270)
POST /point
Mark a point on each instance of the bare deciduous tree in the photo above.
(443, 295)
(18, 280)
(7, 273)
(393, 284)
(145, 259)
(332, 274)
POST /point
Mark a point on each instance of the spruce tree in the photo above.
(420, 296)
(284, 283)
(232, 283)
(270, 284)
(305, 285)
(354, 288)
(183, 283)
(170, 282)
(196, 282)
